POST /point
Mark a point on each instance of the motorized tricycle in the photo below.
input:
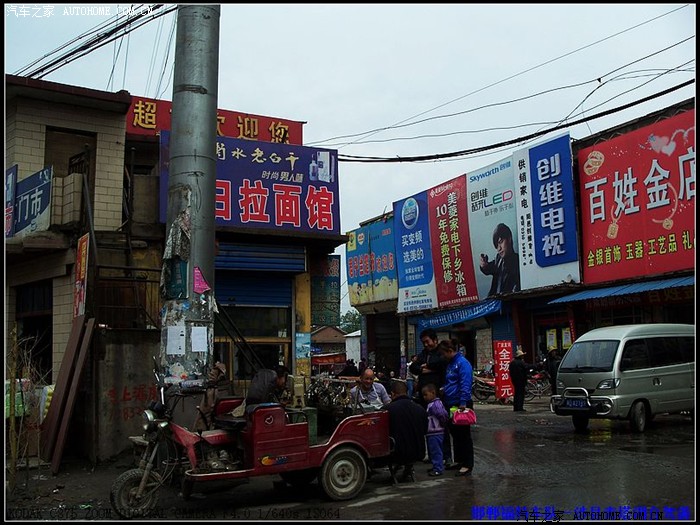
(268, 439)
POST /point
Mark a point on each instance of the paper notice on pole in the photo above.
(176, 341)
(199, 339)
(200, 283)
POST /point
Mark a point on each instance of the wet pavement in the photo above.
(525, 462)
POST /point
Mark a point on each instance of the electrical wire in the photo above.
(352, 158)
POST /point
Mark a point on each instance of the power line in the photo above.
(397, 124)
(438, 156)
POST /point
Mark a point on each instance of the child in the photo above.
(437, 419)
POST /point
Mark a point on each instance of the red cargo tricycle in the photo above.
(267, 439)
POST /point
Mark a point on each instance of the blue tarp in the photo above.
(490, 306)
(626, 289)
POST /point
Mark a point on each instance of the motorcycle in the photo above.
(483, 388)
(171, 450)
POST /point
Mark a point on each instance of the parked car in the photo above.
(630, 372)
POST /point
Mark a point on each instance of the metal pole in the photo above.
(187, 341)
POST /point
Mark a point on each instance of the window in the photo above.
(635, 356)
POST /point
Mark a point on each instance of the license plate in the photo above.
(575, 403)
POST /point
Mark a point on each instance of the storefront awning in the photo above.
(626, 289)
(490, 306)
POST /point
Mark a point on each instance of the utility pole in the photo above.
(187, 282)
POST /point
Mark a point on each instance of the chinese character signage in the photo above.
(149, 116)
(32, 205)
(546, 214)
(325, 291)
(638, 202)
(413, 258)
(371, 266)
(450, 243)
(503, 353)
(269, 186)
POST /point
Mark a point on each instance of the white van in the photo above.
(628, 372)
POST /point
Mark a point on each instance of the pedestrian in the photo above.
(518, 376)
(457, 392)
(437, 423)
(552, 367)
(430, 366)
(408, 426)
(369, 392)
(268, 386)
(350, 370)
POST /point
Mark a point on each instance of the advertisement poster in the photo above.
(493, 228)
(81, 264)
(371, 267)
(503, 353)
(413, 253)
(638, 202)
(450, 244)
(546, 214)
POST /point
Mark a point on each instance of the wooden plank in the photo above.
(49, 426)
(70, 400)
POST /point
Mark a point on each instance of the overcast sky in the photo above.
(349, 69)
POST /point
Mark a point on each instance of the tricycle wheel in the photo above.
(299, 478)
(343, 474)
(124, 498)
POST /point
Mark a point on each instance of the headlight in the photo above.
(149, 419)
(607, 384)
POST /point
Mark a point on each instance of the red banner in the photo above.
(638, 202)
(503, 355)
(149, 116)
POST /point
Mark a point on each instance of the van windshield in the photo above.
(590, 356)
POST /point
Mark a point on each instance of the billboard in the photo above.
(148, 116)
(269, 186)
(638, 202)
(370, 263)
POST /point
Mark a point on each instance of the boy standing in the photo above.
(437, 419)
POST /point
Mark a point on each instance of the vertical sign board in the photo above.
(503, 353)
(546, 214)
(450, 244)
(413, 257)
(325, 291)
(638, 202)
(32, 207)
(491, 204)
(10, 185)
(270, 186)
(81, 265)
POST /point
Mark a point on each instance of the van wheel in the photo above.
(638, 417)
(580, 423)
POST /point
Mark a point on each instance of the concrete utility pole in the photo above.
(187, 340)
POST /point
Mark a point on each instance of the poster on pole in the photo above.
(81, 263)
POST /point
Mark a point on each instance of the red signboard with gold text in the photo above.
(638, 202)
(149, 116)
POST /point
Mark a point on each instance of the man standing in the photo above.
(430, 366)
(552, 366)
(518, 376)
